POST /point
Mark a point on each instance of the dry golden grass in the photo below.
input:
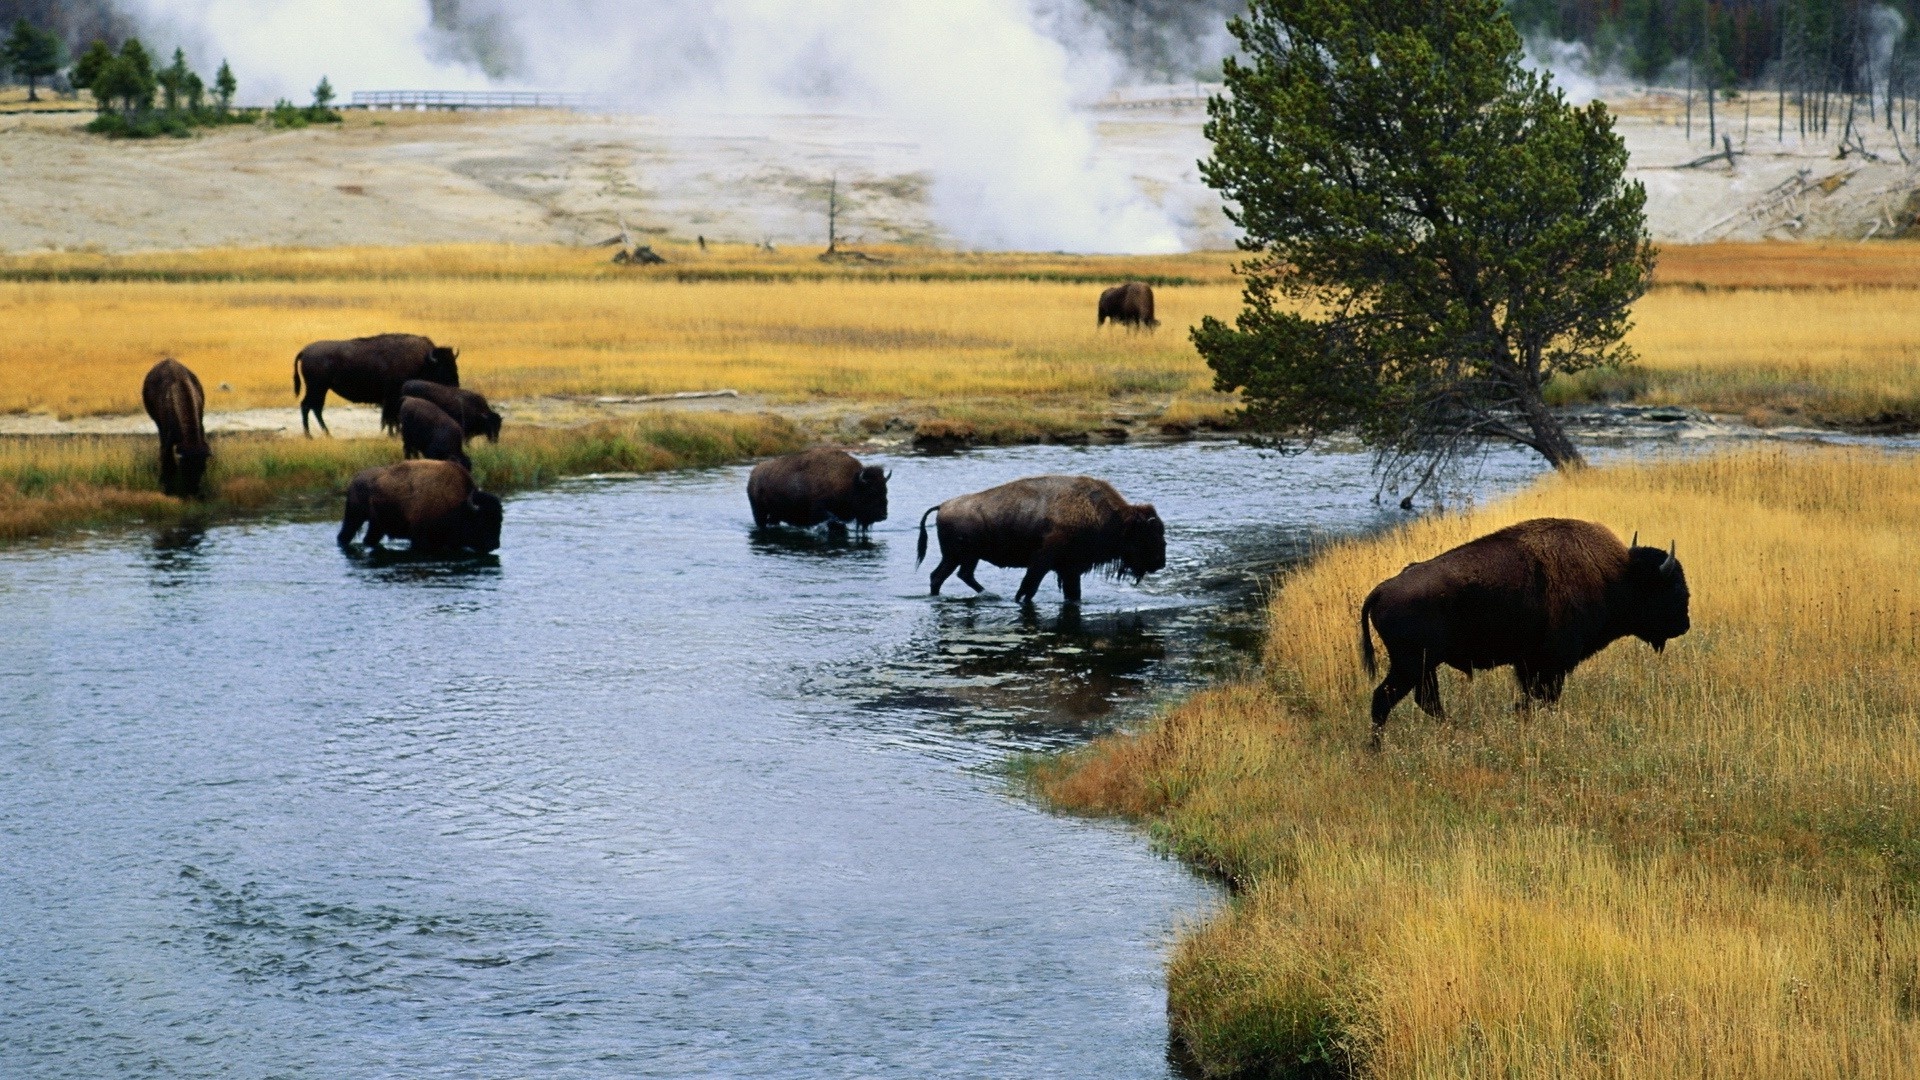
(80, 348)
(1801, 265)
(1700, 864)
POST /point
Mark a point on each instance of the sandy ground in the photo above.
(402, 178)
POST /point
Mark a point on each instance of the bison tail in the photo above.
(921, 556)
(1366, 639)
(296, 376)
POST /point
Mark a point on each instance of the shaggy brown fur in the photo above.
(475, 415)
(427, 431)
(1542, 596)
(432, 503)
(1066, 525)
(178, 406)
(817, 485)
(1130, 305)
(369, 370)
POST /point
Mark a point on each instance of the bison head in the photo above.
(484, 514)
(440, 366)
(490, 426)
(1143, 541)
(1656, 596)
(193, 467)
(870, 495)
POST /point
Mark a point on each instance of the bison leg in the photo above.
(318, 407)
(947, 565)
(1426, 693)
(966, 574)
(1030, 584)
(168, 465)
(350, 524)
(1069, 585)
(1538, 685)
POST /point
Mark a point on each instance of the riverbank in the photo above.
(1701, 863)
(55, 485)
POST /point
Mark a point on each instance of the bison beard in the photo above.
(1541, 596)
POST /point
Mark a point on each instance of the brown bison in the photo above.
(475, 415)
(371, 371)
(1542, 596)
(426, 431)
(1064, 524)
(1129, 305)
(432, 503)
(817, 485)
(177, 405)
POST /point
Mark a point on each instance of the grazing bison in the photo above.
(1064, 524)
(475, 415)
(432, 503)
(1542, 596)
(369, 370)
(1129, 305)
(176, 403)
(817, 485)
(426, 431)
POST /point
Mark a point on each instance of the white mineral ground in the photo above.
(559, 177)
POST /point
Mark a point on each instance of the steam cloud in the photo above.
(988, 86)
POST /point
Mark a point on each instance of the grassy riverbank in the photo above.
(1702, 864)
(1780, 333)
(51, 485)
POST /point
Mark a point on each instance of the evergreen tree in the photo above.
(33, 54)
(87, 68)
(173, 81)
(322, 95)
(1436, 232)
(224, 86)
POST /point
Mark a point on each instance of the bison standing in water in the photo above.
(177, 405)
(817, 485)
(1542, 596)
(427, 431)
(1066, 525)
(370, 371)
(432, 503)
(475, 415)
(1129, 305)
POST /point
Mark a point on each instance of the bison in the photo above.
(1541, 596)
(1129, 305)
(817, 485)
(426, 431)
(1064, 524)
(177, 405)
(369, 370)
(475, 415)
(432, 503)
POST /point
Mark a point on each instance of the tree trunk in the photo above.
(1549, 437)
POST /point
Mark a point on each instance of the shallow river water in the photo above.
(645, 795)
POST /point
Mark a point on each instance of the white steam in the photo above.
(985, 89)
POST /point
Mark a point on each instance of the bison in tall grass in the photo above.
(1130, 305)
(432, 503)
(178, 406)
(1541, 596)
(370, 371)
(818, 485)
(1064, 525)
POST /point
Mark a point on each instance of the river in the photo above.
(643, 795)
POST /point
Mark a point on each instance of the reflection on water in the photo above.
(646, 793)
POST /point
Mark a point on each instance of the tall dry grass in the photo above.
(1701, 864)
(83, 348)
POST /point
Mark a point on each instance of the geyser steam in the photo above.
(985, 90)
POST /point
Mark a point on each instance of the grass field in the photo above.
(1779, 333)
(1700, 864)
(52, 485)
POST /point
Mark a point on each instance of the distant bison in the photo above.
(475, 415)
(1066, 525)
(371, 371)
(426, 431)
(817, 485)
(1129, 305)
(177, 405)
(432, 503)
(1542, 596)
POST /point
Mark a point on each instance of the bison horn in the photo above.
(1635, 542)
(1671, 561)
